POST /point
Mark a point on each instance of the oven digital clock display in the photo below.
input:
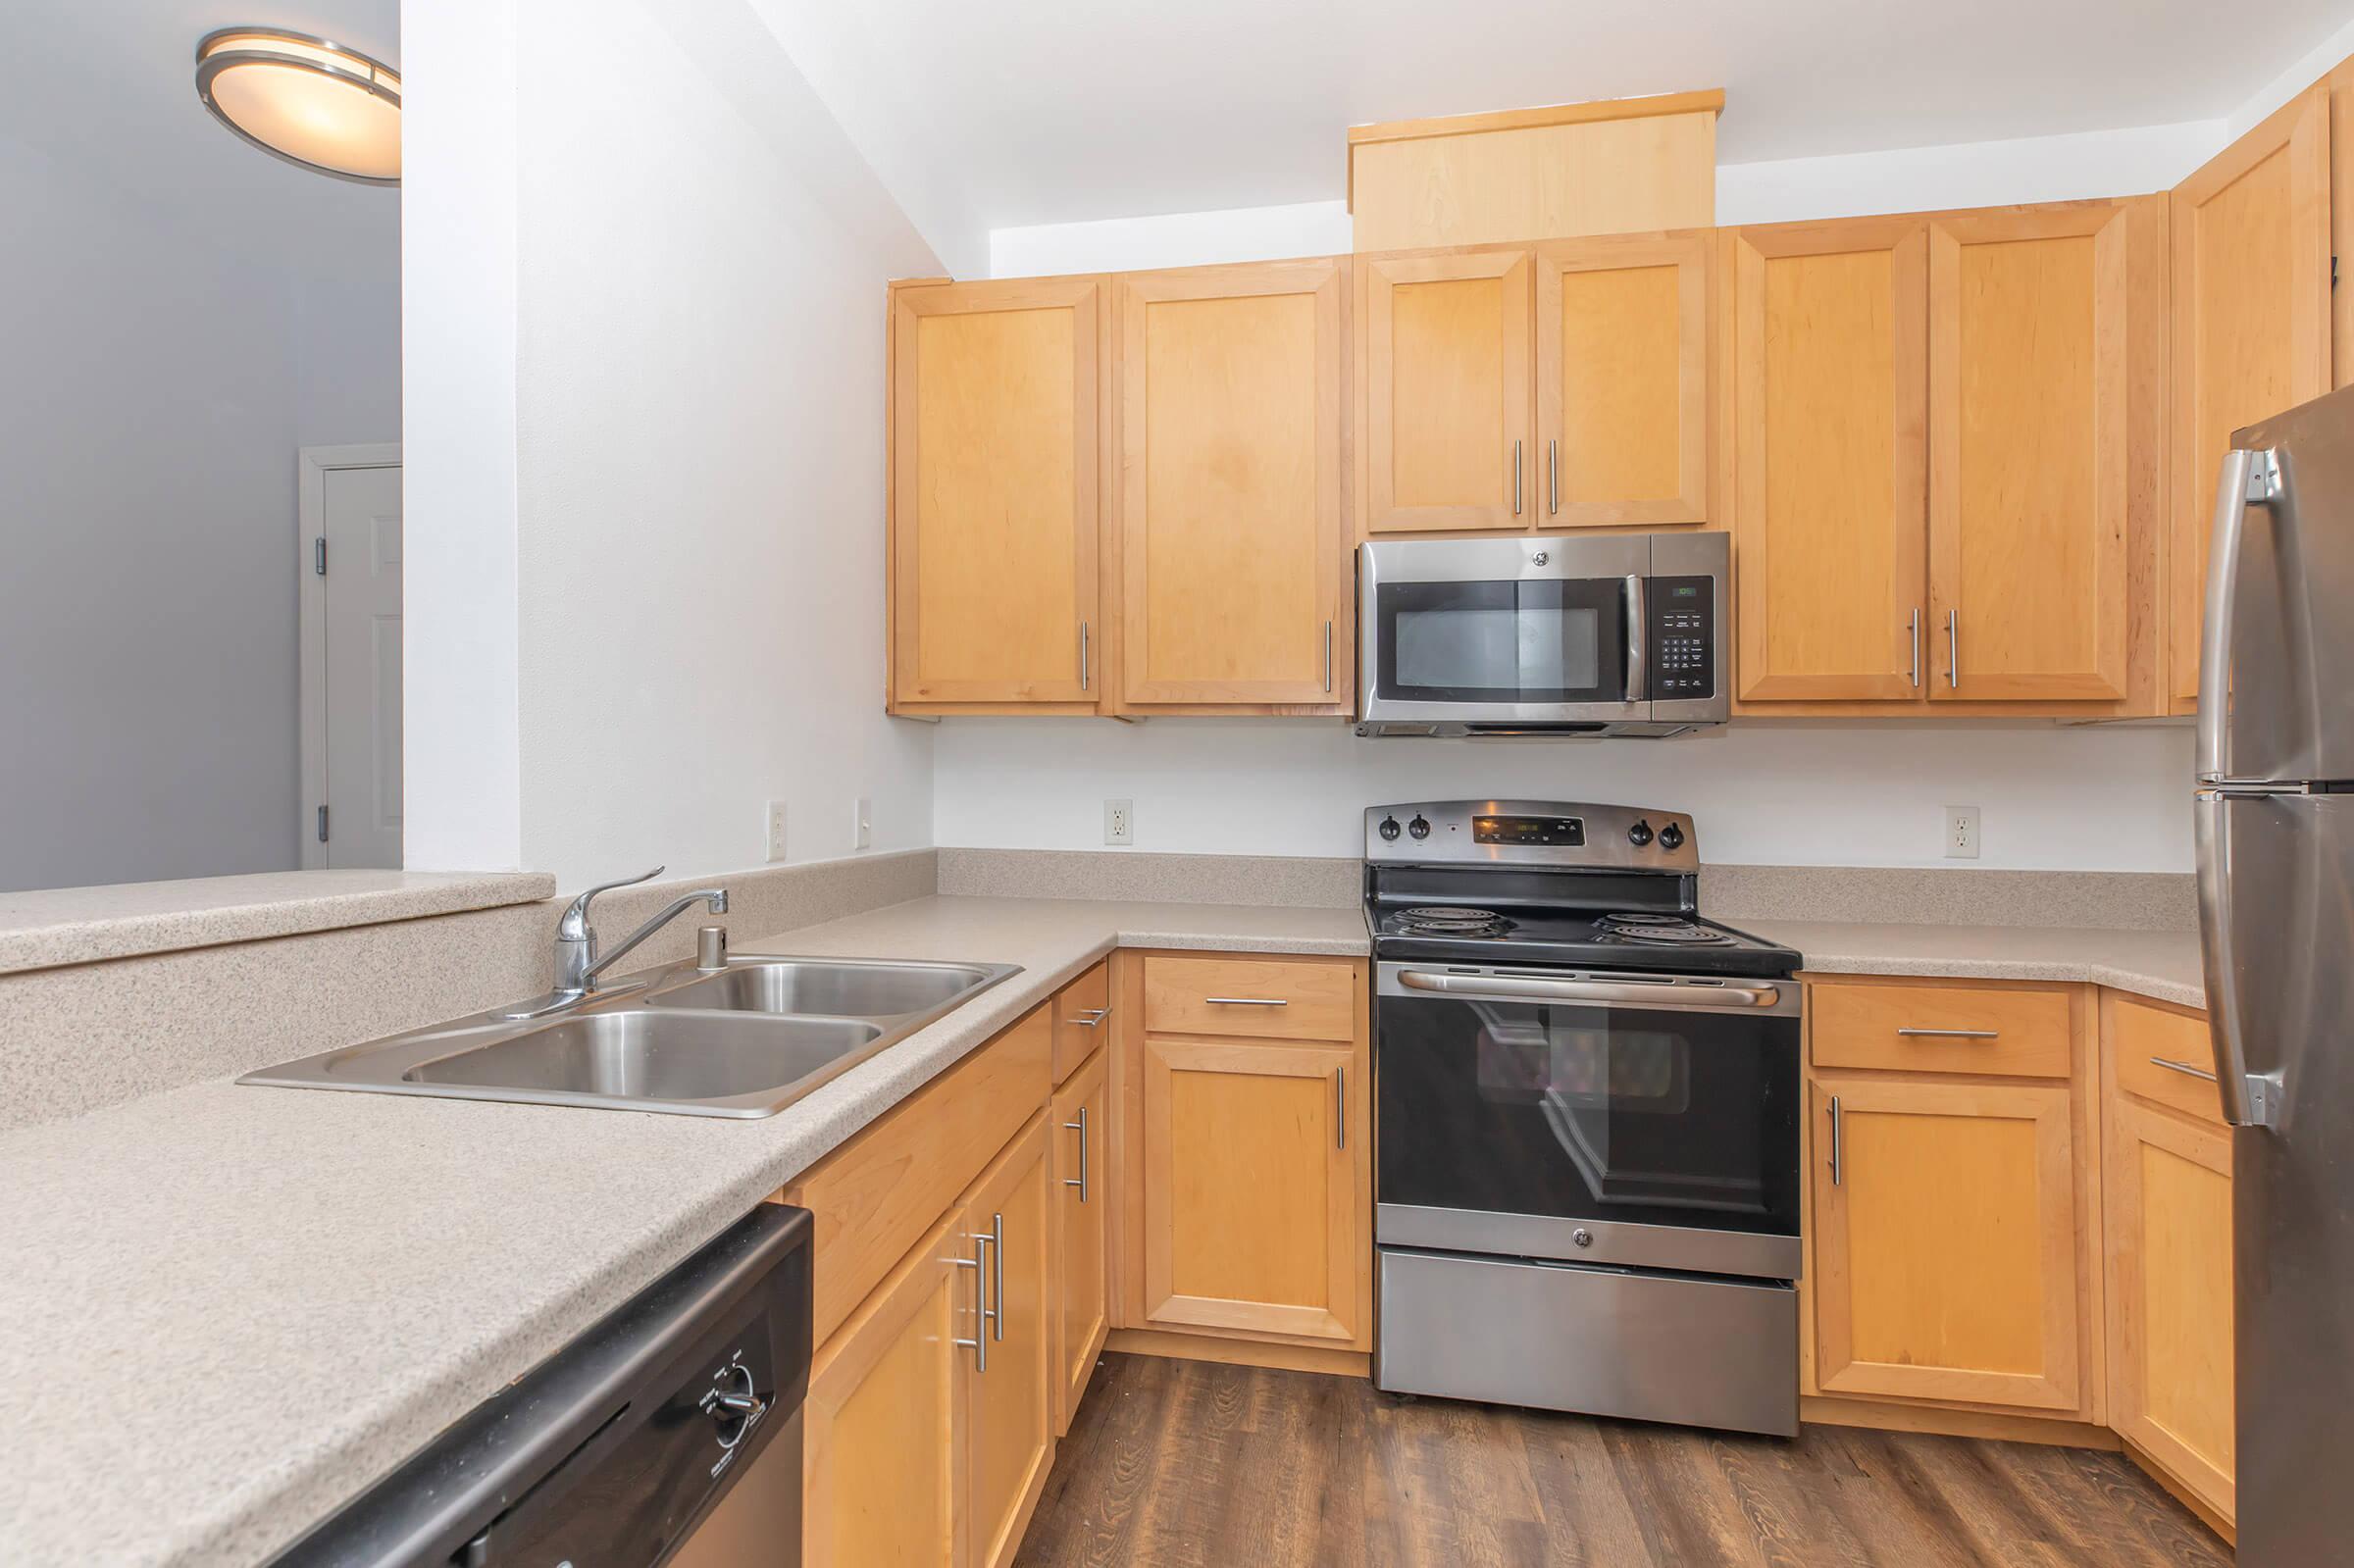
(1553, 833)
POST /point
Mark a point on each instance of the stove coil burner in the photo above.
(1667, 929)
(1452, 920)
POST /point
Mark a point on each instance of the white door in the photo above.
(360, 516)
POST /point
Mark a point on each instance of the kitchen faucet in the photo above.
(578, 962)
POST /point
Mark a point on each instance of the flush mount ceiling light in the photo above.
(304, 99)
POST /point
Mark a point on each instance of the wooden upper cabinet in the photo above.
(1232, 396)
(2251, 318)
(2034, 316)
(1443, 342)
(1622, 380)
(994, 491)
(1831, 392)
(1947, 1267)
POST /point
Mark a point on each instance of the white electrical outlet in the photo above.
(862, 823)
(1961, 833)
(776, 830)
(1120, 822)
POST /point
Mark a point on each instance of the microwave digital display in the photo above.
(1552, 832)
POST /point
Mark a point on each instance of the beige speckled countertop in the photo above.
(302, 1287)
(308, 1285)
(2160, 964)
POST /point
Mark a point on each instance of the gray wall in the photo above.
(154, 389)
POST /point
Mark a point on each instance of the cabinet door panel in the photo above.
(1080, 1129)
(2251, 317)
(1010, 1438)
(1830, 416)
(1445, 356)
(1231, 445)
(1623, 397)
(2029, 512)
(884, 1420)
(995, 497)
(2169, 1217)
(1250, 1204)
(1946, 1263)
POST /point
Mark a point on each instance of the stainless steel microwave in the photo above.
(1596, 635)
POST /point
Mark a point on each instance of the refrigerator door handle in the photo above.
(2248, 1100)
(2248, 479)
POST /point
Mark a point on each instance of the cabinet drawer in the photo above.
(2006, 1032)
(2163, 1057)
(1265, 999)
(1082, 1019)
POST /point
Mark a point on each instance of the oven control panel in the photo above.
(1531, 832)
(1681, 637)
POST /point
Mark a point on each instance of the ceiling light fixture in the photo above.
(304, 99)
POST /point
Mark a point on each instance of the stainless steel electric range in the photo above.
(1587, 1118)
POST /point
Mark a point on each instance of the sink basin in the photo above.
(831, 987)
(645, 1055)
(744, 1041)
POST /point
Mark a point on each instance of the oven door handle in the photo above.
(1533, 989)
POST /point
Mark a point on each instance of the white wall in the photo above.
(156, 381)
(2110, 799)
(694, 343)
(1179, 239)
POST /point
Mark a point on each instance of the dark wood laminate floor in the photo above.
(1173, 1464)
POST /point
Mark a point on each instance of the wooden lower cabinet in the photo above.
(1009, 1437)
(1252, 1205)
(1079, 1124)
(883, 1425)
(1946, 1260)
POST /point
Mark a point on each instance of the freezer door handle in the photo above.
(2248, 1100)
(2248, 479)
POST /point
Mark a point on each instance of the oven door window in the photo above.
(1546, 641)
(1649, 1117)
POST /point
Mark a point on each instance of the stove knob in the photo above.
(1419, 828)
(1389, 828)
(1640, 834)
(1671, 837)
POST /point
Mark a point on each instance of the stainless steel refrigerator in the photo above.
(2275, 817)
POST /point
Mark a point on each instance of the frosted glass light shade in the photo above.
(304, 99)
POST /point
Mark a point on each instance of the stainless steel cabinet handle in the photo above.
(1951, 1034)
(1553, 465)
(1953, 649)
(1834, 1140)
(1079, 1126)
(1090, 1017)
(996, 1258)
(1247, 1001)
(2182, 1066)
(1328, 655)
(1082, 656)
(1917, 650)
(1498, 988)
(979, 1342)
(1515, 478)
(1340, 1107)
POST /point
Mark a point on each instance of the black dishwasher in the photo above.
(669, 1434)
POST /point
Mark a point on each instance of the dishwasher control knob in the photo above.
(1420, 827)
(1640, 834)
(1389, 828)
(1671, 837)
(734, 1403)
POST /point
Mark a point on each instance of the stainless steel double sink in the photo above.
(747, 1039)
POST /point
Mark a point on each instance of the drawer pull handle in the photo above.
(1247, 1001)
(1090, 1017)
(1950, 1033)
(2182, 1066)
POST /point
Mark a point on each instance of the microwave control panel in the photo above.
(1682, 638)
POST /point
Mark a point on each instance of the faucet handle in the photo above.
(575, 924)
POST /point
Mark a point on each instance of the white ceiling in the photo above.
(110, 89)
(1048, 111)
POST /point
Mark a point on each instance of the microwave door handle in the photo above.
(2248, 479)
(1638, 683)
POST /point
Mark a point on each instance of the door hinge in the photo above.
(323, 825)
(318, 555)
